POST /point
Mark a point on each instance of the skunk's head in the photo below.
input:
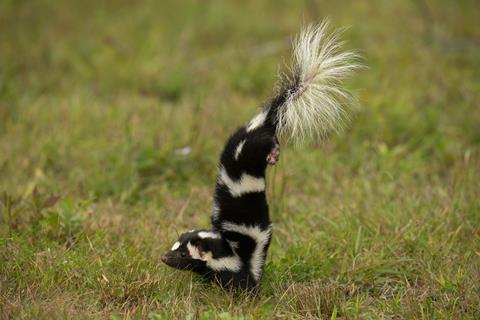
(193, 250)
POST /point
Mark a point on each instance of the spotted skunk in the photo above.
(309, 103)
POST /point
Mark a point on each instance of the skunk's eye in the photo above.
(183, 254)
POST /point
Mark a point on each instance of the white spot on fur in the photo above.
(257, 121)
(175, 246)
(261, 237)
(208, 234)
(238, 149)
(246, 183)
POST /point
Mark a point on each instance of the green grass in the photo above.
(95, 97)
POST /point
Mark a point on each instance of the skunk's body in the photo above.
(309, 103)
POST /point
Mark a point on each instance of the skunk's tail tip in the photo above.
(315, 101)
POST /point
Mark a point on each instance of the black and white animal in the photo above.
(309, 103)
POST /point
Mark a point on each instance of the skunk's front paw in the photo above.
(274, 154)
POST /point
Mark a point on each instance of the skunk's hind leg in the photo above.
(274, 153)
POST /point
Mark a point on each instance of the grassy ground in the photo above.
(96, 97)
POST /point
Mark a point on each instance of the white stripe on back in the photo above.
(246, 183)
(257, 121)
(231, 263)
(238, 149)
(208, 234)
(261, 238)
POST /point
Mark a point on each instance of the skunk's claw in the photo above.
(274, 154)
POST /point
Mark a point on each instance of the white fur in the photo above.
(195, 252)
(208, 234)
(245, 184)
(233, 244)
(260, 236)
(238, 149)
(257, 121)
(175, 246)
(215, 211)
(231, 263)
(318, 103)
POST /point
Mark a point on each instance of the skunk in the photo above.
(309, 104)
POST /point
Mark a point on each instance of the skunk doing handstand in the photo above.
(310, 103)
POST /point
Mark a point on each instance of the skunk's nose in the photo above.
(164, 259)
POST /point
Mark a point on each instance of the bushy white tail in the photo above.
(313, 102)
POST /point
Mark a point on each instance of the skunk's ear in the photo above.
(201, 248)
(201, 244)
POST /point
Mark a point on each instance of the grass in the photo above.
(95, 99)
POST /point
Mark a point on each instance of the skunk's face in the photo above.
(190, 251)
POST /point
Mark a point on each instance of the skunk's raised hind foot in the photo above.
(274, 154)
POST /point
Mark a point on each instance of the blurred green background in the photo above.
(97, 100)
